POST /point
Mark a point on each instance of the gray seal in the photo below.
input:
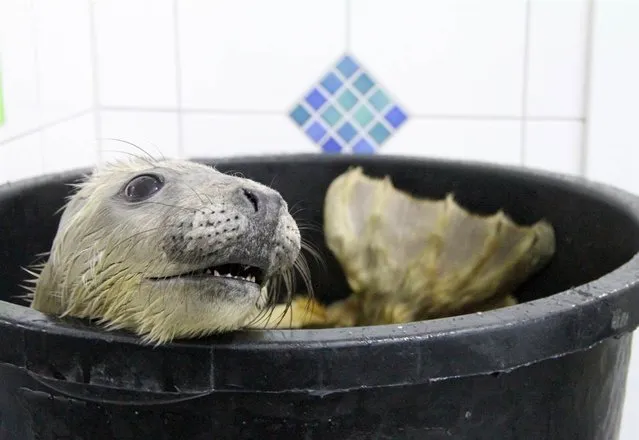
(167, 249)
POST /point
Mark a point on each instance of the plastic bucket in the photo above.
(553, 367)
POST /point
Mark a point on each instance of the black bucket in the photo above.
(553, 367)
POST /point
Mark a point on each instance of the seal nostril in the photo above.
(251, 197)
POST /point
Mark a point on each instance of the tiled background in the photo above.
(539, 83)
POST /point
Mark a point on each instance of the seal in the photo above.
(168, 249)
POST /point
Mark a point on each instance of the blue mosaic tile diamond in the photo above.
(379, 133)
(347, 110)
(347, 132)
(347, 100)
(379, 100)
(331, 116)
(315, 131)
(363, 147)
(363, 83)
(332, 146)
(395, 117)
(363, 116)
(331, 83)
(300, 115)
(347, 66)
(315, 99)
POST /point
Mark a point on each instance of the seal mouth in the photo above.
(236, 271)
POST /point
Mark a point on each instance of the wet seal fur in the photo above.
(167, 249)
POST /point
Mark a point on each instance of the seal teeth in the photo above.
(235, 271)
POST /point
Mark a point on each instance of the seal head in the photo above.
(168, 249)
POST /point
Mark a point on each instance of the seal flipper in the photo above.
(432, 257)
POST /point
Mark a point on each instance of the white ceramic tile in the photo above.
(70, 145)
(156, 133)
(476, 140)
(21, 158)
(64, 57)
(255, 54)
(240, 135)
(18, 68)
(136, 52)
(613, 138)
(553, 146)
(557, 58)
(445, 57)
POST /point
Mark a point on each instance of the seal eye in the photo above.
(142, 187)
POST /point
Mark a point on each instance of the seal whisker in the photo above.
(136, 147)
(263, 315)
(130, 154)
(302, 267)
(270, 185)
(292, 208)
(309, 228)
(274, 290)
(168, 205)
(309, 247)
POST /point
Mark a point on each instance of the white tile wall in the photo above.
(19, 68)
(485, 140)
(557, 49)
(554, 146)
(480, 69)
(136, 52)
(454, 57)
(69, 145)
(291, 43)
(152, 133)
(237, 134)
(613, 153)
(541, 83)
(64, 57)
(21, 158)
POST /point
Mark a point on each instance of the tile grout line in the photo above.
(524, 98)
(97, 118)
(38, 72)
(588, 63)
(347, 22)
(46, 126)
(482, 118)
(178, 78)
(118, 108)
(236, 112)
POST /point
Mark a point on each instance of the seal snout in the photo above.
(260, 201)
(234, 220)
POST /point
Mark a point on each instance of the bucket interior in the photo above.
(594, 235)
